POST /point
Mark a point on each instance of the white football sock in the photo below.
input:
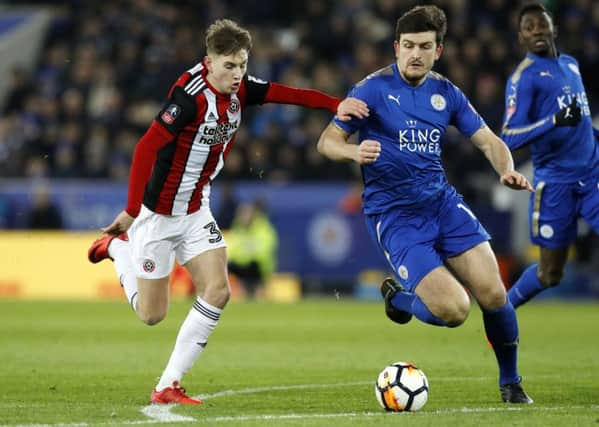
(191, 341)
(120, 251)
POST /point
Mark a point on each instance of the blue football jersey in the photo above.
(539, 88)
(410, 123)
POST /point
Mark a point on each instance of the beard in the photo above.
(414, 76)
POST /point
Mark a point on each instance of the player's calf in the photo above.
(550, 277)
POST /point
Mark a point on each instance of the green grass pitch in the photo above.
(308, 364)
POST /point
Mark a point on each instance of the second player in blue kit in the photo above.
(547, 108)
(433, 242)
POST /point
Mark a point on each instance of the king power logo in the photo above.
(581, 98)
(415, 140)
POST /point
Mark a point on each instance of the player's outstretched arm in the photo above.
(311, 98)
(500, 158)
(333, 144)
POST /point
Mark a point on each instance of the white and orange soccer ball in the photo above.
(401, 387)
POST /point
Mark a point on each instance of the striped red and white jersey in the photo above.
(204, 123)
(185, 147)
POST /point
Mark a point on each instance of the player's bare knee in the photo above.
(455, 313)
(550, 277)
(459, 314)
(150, 315)
(150, 318)
(217, 293)
(494, 298)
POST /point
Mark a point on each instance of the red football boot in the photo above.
(98, 251)
(174, 394)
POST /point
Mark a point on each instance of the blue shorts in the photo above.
(554, 210)
(415, 242)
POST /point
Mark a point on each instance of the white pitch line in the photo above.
(161, 413)
(274, 417)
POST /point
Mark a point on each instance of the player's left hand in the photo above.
(352, 107)
(516, 181)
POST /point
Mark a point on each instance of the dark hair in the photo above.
(225, 37)
(532, 7)
(421, 19)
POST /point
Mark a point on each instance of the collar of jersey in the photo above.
(535, 57)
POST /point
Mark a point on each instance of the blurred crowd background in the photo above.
(106, 67)
(72, 114)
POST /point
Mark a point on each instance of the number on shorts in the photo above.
(214, 231)
(468, 211)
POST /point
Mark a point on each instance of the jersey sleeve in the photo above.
(360, 91)
(518, 127)
(179, 110)
(465, 117)
(255, 90)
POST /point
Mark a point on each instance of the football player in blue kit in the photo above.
(431, 239)
(547, 107)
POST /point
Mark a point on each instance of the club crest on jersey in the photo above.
(149, 265)
(403, 272)
(170, 114)
(234, 106)
(438, 102)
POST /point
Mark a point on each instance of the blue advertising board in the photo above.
(317, 239)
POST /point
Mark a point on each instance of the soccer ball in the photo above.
(401, 387)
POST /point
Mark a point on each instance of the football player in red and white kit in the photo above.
(168, 214)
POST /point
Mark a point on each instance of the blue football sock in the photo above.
(407, 301)
(501, 327)
(526, 287)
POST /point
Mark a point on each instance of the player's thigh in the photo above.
(477, 269)
(208, 271)
(551, 265)
(460, 230)
(407, 243)
(201, 234)
(152, 239)
(152, 299)
(444, 295)
(553, 215)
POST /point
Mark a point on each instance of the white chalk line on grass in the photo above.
(274, 417)
(162, 413)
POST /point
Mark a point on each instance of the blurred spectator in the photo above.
(252, 247)
(44, 215)
(19, 87)
(105, 69)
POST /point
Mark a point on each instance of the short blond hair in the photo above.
(225, 37)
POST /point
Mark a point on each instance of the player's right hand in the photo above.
(121, 223)
(516, 181)
(570, 115)
(352, 107)
(368, 151)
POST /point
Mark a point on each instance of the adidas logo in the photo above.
(211, 116)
